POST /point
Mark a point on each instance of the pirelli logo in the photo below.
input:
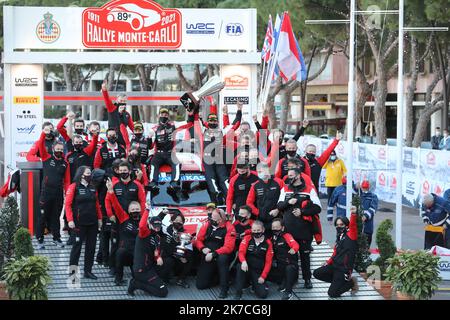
(26, 100)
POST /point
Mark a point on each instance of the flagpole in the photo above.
(262, 82)
(269, 78)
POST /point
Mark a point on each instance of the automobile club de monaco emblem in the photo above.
(48, 30)
(132, 24)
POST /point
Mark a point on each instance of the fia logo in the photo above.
(234, 29)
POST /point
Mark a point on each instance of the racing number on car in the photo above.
(122, 16)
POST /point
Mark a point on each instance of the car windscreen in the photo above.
(194, 192)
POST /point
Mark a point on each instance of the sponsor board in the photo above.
(48, 30)
(234, 29)
(201, 28)
(26, 100)
(236, 81)
(234, 100)
(26, 82)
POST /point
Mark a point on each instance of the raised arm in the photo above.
(62, 130)
(109, 105)
(326, 154)
(92, 147)
(41, 147)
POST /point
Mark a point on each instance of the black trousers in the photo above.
(105, 237)
(207, 270)
(174, 266)
(340, 281)
(437, 239)
(216, 177)
(369, 239)
(51, 208)
(158, 160)
(114, 236)
(261, 290)
(123, 257)
(284, 274)
(87, 234)
(150, 282)
(330, 192)
(305, 259)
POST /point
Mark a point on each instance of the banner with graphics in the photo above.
(27, 112)
(137, 24)
(424, 170)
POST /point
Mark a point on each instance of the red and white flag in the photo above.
(288, 55)
(266, 50)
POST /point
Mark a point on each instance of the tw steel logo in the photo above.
(132, 24)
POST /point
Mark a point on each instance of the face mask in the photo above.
(135, 215)
(340, 230)
(438, 133)
(50, 135)
(333, 158)
(291, 153)
(214, 223)
(124, 175)
(112, 140)
(78, 147)
(257, 235)
(213, 125)
(58, 154)
(138, 135)
(242, 175)
(120, 104)
(311, 156)
(88, 179)
(242, 219)
(177, 226)
(79, 131)
(163, 120)
(276, 233)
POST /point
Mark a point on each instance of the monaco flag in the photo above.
(288, 53)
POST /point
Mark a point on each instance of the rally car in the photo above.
(192, 199)
(136, 16)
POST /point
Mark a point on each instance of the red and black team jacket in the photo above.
(85, 157)
(117, 120)
(282, 167)
(282, 245)
(126, 193)
(345, 249)
(56, 173)
(33, 154)
(238, 190)
(263, 198)
(105, 156)
(317, 164)
(308, 223)
(147, 248)
(128, 228)
(144, 145)
(242, 230)
(258, 257)
(220, 240)
(82, 206)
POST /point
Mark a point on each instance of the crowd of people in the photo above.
(261, 222)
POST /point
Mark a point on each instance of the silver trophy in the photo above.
(185, 240)
(191, 100)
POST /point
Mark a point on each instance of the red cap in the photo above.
(365, 184)
(344, 179)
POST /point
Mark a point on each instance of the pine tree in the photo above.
(362, 259)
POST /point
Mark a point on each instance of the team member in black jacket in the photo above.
(147, 260)
(239, 188)
(264, 195)
(128, 231)
(242, 224)
(255, 256)
(299, 203)
(178, 263)
(85, 218)
(142, 143)
(338, 269)
(81, 155)
(215, 240)
(55, 180)
(285, 260)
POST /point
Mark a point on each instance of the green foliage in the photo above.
(385, 245)
(22, 244)
(362, 259)
(27, 278)
(9, 223)
(414, 273)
